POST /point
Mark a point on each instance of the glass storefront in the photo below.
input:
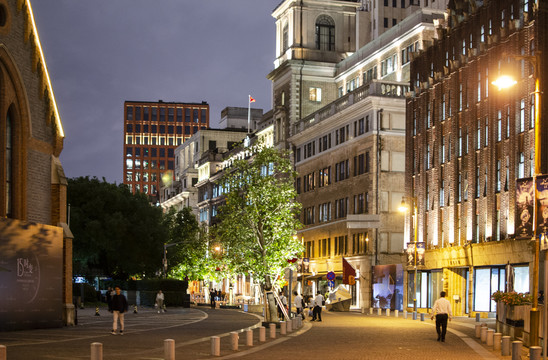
(490, 279)
(487, 280)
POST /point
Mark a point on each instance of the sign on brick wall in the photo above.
(31, 275)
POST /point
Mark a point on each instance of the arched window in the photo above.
(8, 161)
(325, 33)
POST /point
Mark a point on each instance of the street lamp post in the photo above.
(404, 208)
(503, 82)
(167, 245)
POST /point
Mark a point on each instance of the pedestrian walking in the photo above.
(442, 311)
(160, 301)
(318, 303)
(119, 308)
(299, 304)
(212, 298)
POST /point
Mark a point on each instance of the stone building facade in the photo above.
(340, 105)
(35, 241)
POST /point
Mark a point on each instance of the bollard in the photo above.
(215, 346)
(234, 337)
(169, 349)
(387, 312)
(414, 315)
(483, 334)
(534, 352)
(289, 326)
(262, 334)
(370, 311)
(422, 316)
(97, 311)
(379, 311)
(505, 346)
(249, 337)
(96, 351)
(497, 337)
(3, 352)
(272, 330)
(478, 316)
(363, 310)
(405, 314)
(283, 329)
(490, 337)
(295, 324)
(516, 350)
(135, 309)
(478, 331)
(396, 312)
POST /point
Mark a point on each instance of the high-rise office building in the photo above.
(152, 131)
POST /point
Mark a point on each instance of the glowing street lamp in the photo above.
(503, 82)
(404, 207)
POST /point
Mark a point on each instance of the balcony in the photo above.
(374, 88)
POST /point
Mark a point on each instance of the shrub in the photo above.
(511, 298)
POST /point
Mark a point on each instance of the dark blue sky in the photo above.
(100, 53)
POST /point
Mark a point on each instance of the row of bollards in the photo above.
(285, 327)
(502, 343)
(169, 344)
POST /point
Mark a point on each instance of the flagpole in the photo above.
(248, 113)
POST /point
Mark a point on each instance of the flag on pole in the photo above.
(251, 99)
(349, 274)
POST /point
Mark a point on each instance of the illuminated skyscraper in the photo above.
(152, 131)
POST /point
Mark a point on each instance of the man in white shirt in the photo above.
(317, 311)
(298, 303)
(442, 311)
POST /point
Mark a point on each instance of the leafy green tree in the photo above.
(116, 233)
(187, 251)
(259, 216)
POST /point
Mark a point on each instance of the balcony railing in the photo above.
(374, 88)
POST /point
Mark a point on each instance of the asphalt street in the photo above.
(349, 335)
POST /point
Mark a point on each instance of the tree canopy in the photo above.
(187, 251)
(259, 219)
(116, 233)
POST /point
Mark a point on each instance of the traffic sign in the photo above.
(331, 275)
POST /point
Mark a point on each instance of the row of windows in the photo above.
(341, 136)
(146, 152)
(146, 113)
(145, 164)
(472, 40)
(155, 140)
(323, 212)
(503, 130)
(162, 129)
(340, 245)
(361, 165)
(482, 178)
(149, 189)
(141, 176)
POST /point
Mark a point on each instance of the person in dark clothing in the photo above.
(212, 298)
(119, 308)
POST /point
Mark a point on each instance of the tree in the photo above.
(188, 255)
(259, 217)
(116, 233)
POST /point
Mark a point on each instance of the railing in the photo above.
(374, 88)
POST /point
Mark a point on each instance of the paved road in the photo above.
(340, 336)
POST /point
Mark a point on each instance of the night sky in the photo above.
(100, 53)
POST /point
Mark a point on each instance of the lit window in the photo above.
(315, 94)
